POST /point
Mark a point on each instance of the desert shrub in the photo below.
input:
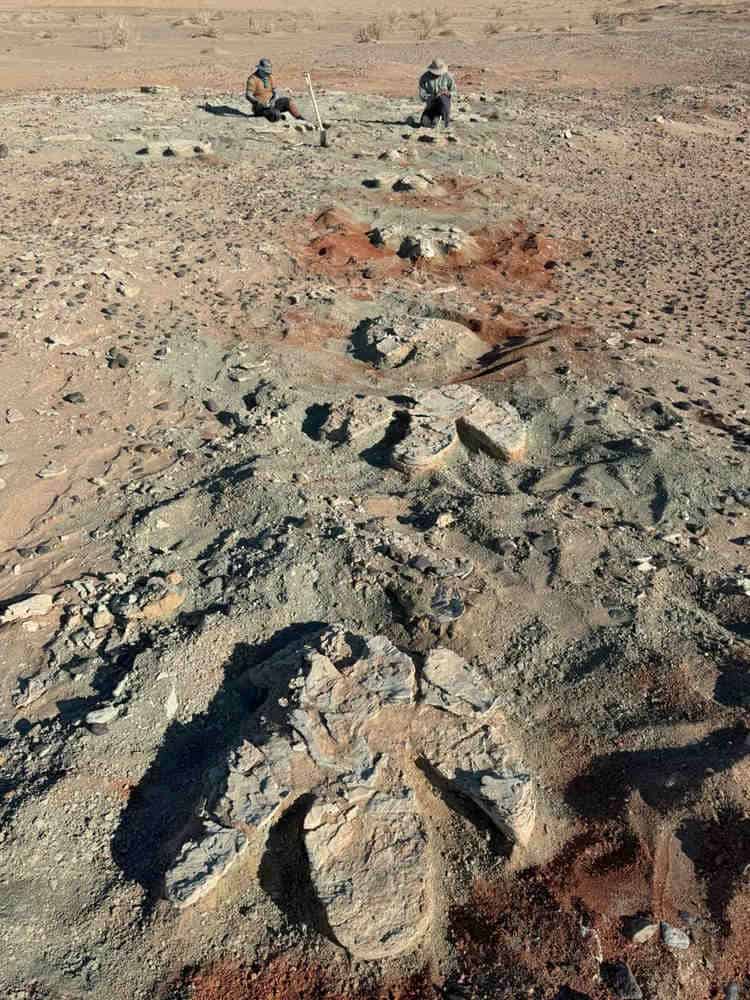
(118, 36)
(432, 22)
(256, 27)
(607, 19)
(372, 32)
(202, 22)
(392, 18)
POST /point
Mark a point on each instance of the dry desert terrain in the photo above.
(375, 515)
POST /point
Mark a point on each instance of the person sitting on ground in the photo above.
(436, 88)
(260, 91)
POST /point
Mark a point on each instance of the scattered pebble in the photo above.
(52, 471)
(674, 938)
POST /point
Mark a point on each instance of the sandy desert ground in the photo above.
(375, 518)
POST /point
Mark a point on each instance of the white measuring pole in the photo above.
(323, 133)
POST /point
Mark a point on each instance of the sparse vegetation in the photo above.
(202, 22)
(376, 29)
(608, 19)
(256, 27)
(118, 36)
(372, 32)
(393, 17)
(432, 22)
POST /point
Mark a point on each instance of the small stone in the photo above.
(51, 471)
(186, 148)
(74, 397)
(380, 181)
(30, 607)
(13, 416)
(4, 458)
(164, 607)
(674, 938)
(103, 716)
(103, 618)
(413, 182)
(3, 151)
(640, 930)
(171, 705)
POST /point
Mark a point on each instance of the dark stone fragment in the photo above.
(621, 981)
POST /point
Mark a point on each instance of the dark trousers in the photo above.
(281, 106)
(438, 107)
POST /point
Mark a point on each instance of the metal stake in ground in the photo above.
(323, 133)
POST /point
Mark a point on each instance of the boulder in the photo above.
(369, 866)
(429, 442)
(495, 428)
(357, 417)
(424, 242)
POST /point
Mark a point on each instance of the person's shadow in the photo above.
(224, 111)
(164, 810)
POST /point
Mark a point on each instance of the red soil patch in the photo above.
(293, 979)
(515, 932)
(341, 250)
(549, 927)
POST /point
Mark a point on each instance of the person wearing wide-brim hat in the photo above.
(260, 91)
(436, 88)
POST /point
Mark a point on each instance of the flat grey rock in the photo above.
(29, 607)
(449, 682)
(674, 938)
(201, 863)
(258, 783)
(480, 766)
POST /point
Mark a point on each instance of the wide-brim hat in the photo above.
(265, 64)
(437, 67)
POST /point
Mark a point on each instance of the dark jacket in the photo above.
(431, 86)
